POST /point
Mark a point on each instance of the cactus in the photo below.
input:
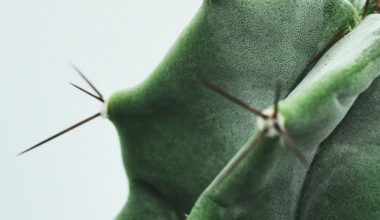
(177, 136)
(321, 100)
(181, 143)
(192, 154)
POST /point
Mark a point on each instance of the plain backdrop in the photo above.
(117, 43)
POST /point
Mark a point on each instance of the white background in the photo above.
(117, 44)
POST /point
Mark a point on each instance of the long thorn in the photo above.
(61, 133)
(233, 99)
(87, 92)
(276, 99)
(366, 7)
(242, 155)
(326, 48)
(291, 145)
(88, 81)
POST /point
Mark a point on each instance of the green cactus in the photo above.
(181, 143)
(312, 111)
(211, 136)
(191, 151)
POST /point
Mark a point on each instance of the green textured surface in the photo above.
(346, 169)
(176, 136)
(360, 4)
(269, 182)
(143, 197)
(322, 99)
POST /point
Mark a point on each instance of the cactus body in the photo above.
(177, 137)
(274, 184)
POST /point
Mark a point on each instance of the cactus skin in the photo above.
(350, 157)
(321, 101)
(176, 136)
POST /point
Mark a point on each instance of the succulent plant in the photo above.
(182, 143)
(193, 149)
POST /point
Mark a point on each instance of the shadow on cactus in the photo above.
(191, 154)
